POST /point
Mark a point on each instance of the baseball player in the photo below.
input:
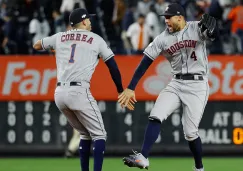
(77, 54)
(183, 44)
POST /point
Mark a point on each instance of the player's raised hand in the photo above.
(130, 105)
(127, 98)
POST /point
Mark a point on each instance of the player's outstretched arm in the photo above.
(47, 43)
(37, 45)
(116, 77)
(128, 94)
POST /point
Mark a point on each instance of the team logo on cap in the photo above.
(83, 16)
(178, 12)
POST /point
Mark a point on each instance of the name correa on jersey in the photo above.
(77, 37)
(181, 44)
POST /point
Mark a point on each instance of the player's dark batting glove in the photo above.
(209, 24)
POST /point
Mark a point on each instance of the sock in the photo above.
(196, 149)
(99, 149)
(151, 135)
(84, 153)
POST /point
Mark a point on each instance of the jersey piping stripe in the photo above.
(205, 100)
(200, 35)
(42, 44)
(109, 57)
(148, 55)
(181, 56)
(186, 48)
(205, 58)
(95, 112)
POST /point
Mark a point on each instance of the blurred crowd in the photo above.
(128, 26)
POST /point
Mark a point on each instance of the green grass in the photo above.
(115, 164)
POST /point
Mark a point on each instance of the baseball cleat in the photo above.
(136, 160)
(195, 169)
(69, 154)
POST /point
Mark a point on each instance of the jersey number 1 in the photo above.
(193, 56)
(71, 60)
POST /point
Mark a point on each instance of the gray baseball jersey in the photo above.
(77, 55)
(186, 52)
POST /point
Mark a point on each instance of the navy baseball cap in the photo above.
(79, 15)
(174, 9)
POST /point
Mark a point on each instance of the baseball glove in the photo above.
(208, 23)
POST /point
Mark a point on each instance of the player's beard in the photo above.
(175, 27)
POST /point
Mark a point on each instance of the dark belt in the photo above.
(71, 83)
(188, 77)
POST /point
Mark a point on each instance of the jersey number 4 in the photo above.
(71, 60)
(193, 56)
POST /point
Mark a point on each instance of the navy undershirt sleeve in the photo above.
(141, 69)
(115, 74)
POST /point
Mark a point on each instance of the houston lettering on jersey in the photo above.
(77, 37)
(181, 44)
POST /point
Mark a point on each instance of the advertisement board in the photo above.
(34, 78)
